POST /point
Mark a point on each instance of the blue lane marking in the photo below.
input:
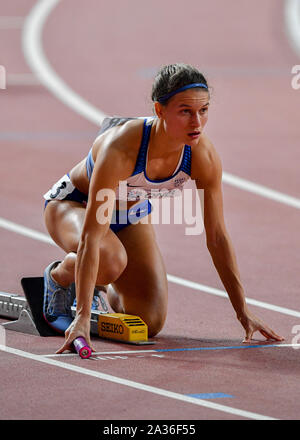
(209, 395)
(217, 348)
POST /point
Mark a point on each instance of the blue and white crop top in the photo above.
(138, 186)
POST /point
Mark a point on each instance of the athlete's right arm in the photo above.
(112, 165)
(108, 171)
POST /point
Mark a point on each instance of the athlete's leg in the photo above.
(142, 288)
(64, 220)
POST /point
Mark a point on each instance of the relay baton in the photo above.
(82, 348)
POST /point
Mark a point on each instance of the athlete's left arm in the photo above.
(207, 173)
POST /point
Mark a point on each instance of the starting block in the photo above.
(122, 327)
(27, 313)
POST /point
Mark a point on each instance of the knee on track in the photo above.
(155, 325)
(155, 320)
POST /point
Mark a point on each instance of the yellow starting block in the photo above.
(121, 327)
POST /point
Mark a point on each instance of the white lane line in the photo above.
(22, 79)
(292, 23)
(261, 190)
(34, 54)
(11, 22)
(27, 232)
(223, 294)
(103, 353)
(35, 57)
(137, 385)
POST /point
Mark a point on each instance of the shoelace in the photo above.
(97, 301)
(59, 302)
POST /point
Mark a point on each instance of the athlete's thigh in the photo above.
(64, 220)
(143, 287)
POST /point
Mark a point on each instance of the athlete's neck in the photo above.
(161, 142)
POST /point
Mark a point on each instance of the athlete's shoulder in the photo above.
(124, 139)
(204, 149)
(206, 162)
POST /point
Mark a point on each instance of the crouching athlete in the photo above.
(110, 249)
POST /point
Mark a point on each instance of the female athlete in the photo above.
(106, 244)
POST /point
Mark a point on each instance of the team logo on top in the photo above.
(178, 182)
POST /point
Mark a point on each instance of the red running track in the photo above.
(108, 55)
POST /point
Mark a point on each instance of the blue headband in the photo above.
(164, 98)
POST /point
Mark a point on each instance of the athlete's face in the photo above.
(185, 115)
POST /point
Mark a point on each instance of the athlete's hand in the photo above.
(79, 327)
(252, 324)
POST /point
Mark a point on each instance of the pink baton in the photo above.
(82, 347)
